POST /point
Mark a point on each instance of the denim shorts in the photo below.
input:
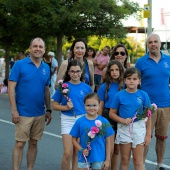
(95, 165)
(133, 133)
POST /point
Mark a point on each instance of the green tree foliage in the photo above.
(22, 20)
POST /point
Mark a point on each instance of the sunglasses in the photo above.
(121, 53)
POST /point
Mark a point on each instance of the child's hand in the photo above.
(147, 140)
(127, 121)
(70, 104)
(86, 152)
(105, 164)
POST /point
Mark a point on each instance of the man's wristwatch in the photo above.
(49, 110)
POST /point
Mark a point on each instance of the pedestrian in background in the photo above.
(29, 93)
(54, 67)
(4, 86)
(100, 62)
(155, 70)
(90, 54)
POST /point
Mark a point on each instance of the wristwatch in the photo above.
(49, 110)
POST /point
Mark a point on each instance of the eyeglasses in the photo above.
(121, 53)
(73, 72)
(88, 106)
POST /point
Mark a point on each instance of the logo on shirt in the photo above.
(139, 100)
(44, 71)
(81, 92)
(166, 65)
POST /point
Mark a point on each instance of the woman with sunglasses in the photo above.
(119, 53)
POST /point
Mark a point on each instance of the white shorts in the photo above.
(133, 133)
(67, 123)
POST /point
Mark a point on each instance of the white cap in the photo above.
(51, 54)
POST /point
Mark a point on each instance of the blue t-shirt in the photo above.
(113, 89)
(30, 88)
(155, 78)
(98, 145)
(76, 93)
(129, 104)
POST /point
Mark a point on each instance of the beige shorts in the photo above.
(29, 128)
(160, 121)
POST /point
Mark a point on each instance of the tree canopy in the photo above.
(22, 20)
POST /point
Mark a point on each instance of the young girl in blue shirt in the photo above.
(98, 157)
(112, 84)
(71, 107)
(132, 134)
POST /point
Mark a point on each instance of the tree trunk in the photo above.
(59, 49)
(6, 63)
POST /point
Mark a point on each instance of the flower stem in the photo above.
(73, 112)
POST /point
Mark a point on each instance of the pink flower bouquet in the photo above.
(147, 113)
(65, 90)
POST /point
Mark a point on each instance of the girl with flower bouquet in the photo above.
(69, 99)
(94, 132)
(133, 132)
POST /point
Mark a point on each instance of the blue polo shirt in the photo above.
(30, 89)
(155, 79)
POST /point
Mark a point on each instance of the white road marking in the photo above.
(58, 136)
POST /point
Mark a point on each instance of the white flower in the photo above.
(98, 123)
(60, 81)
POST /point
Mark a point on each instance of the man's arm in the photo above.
(48, 105)
(11, 96)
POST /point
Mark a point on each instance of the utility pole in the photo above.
(148, 15)
(149, 30)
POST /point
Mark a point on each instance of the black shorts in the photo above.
(105, 114)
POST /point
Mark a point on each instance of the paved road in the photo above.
(50, 147)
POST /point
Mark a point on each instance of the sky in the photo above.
(162, 30)
(156, 12)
